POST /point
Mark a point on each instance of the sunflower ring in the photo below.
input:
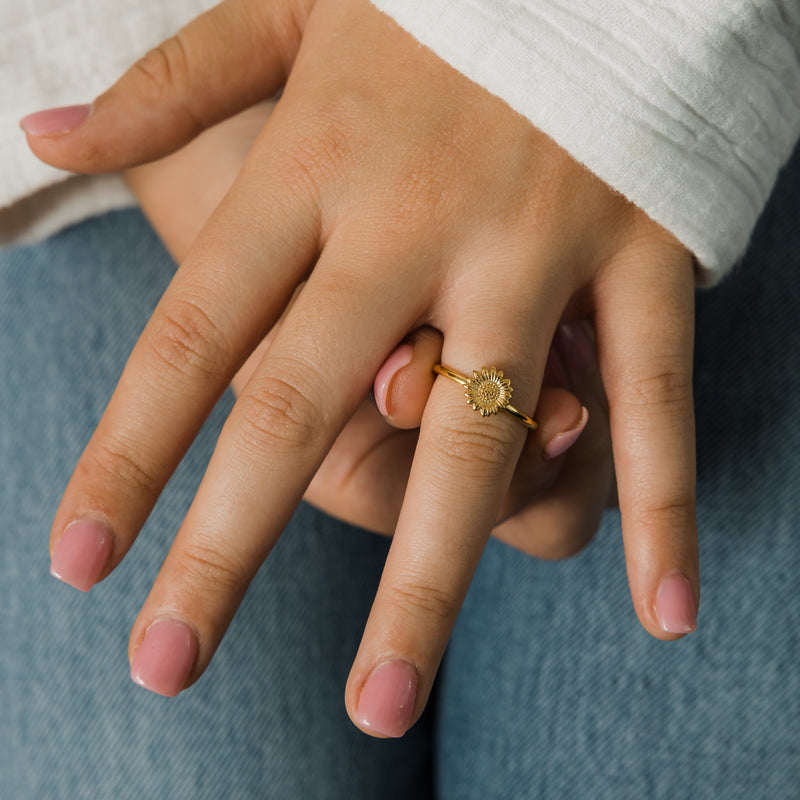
(487, 391)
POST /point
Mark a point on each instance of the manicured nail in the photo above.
(397, 360)
(575, 342)
(562, 442)
(55, 121)
(387, 699)
(165, 657)
(675, 604)
(81, 553)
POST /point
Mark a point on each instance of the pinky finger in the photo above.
(645, 327)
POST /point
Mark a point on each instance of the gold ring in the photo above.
(487, 391)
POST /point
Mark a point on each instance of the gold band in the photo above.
(487, 391)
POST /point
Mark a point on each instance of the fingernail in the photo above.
(81, 553)
(55, 121)
(675, 604)
(165, 657)
(554, 373)
(562, 442)
(387, 699)
(575, 342)
(400, 358)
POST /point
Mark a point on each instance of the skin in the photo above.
(403, 195)
(553, 506)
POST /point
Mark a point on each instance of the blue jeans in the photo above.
(549, 689)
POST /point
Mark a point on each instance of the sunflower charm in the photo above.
(488, 391)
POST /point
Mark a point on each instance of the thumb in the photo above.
(225, 60)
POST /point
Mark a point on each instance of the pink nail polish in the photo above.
(165, 657)
(562, 442)
(387, 699)
(675, 604)
(400, 358)
(575, 342)
(55, 121)
(81, 553)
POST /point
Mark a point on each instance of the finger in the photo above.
(221, 302)
(402, 388)
(461, 472)
(562, 420)
(645, 333)
(576, 341)
(366, 488)
(178, 89)
(562, 520)
(559, 522)
(405, 380)
(283, 423)
(363, 478)
(248, 369)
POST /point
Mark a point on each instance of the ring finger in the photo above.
(461, 473)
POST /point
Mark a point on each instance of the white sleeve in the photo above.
(687, 107)
(58, 52)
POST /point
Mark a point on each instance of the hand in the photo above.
(555, 501)
(554, 504)
(404, 195)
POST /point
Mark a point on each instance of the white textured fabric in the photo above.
(687, 107)
(58, 52)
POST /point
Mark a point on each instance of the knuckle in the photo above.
(278, 414)
(319, 149)
(423, 196)
(164, 67)
(423, 601)
(114, 458)
(668, 387)
(475, 448)
(188, 341)
(205, 566)
(670, 514)
(165, 71)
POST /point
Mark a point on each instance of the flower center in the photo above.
(488, 393)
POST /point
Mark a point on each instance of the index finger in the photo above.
(221, 303)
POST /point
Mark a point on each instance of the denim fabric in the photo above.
(549, 689)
